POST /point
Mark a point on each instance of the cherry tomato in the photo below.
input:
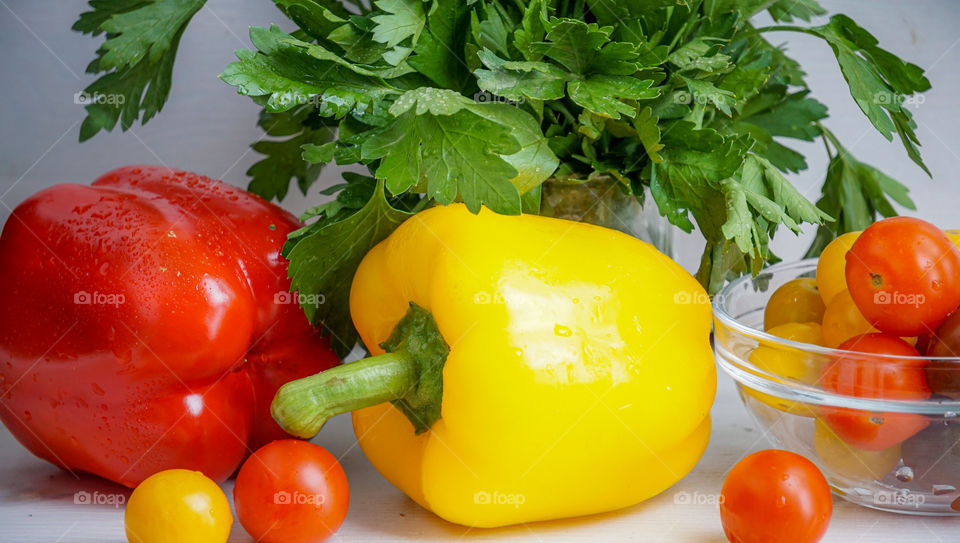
(795, 301)
(904, 275)
(177, 506)
(792, 364)
(848, 461)
(861, 375)
(944, 375)
(831, 268)
(777, 496)
(842, 320)
(291, 491)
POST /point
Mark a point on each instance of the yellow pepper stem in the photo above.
(409, 374)
(303, 406)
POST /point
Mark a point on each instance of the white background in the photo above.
(206, 128)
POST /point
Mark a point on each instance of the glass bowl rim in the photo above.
(720, 313)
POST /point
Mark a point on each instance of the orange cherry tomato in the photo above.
(904, 275)
(832, 265)
(842, 320)
(792, 364)
(860, 375)
(795, 301)
(775, 495)
(845, 460)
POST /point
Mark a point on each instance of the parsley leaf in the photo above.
(700, 55)
(533, 28)
(694, 162)
(786, 10)
(90, 22)
(879, 81)
(610, 12)
(584, 48)
(438, 139)
(597, 73)
(855, 194)
(324, 256)
(270, 177)
(734, 196)
(291, 72)
(706, 92)
(793, 116)
(648, 132)
(535, 161)
(317, 18)
(684, 98)
(439, 53)
(520, 80)
(137, 58)
(761, 187)
(402, 19)
(605, 94)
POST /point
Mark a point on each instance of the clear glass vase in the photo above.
(601, 201)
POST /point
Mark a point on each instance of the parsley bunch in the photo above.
(482, 101)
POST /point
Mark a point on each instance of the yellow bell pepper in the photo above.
(579, 376)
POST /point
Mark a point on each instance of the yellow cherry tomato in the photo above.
(831, 268)
(842, 320)
(848, 461)
(795, 301)
(178, 506)
(788, 363)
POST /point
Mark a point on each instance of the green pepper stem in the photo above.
(302, 407)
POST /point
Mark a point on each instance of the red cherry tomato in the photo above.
(861, 375)
(777, 496)
(904, 275)
(291, 491)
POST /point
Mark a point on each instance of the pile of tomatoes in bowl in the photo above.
(856, 363)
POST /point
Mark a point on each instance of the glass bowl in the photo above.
(919, 474)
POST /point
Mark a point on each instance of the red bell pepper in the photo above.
(146, 324)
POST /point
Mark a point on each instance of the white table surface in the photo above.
(37, 502)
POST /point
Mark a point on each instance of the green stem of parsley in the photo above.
(823, 136)
(561, 108)
(781, 28)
